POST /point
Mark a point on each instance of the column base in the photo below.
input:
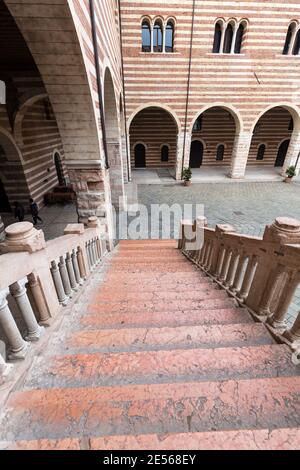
(36, 335)
(20, 354)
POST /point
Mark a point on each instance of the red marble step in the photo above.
(156, 268)
(157, 408)
(218, 300)
(164, 338)
(149, 367)
(130, 260)
(42, 444)
(165, 318)
(193, 276)
(121, 295)
(157, 287)
(252, 439)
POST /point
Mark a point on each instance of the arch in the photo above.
(155, 104)
(293, 110)
(218, 36)
(139, 155)
(239, 38)
(113, 140)
(261, 149)
(157, 35)
(28, 99)
(220, 152)
(228, 38)
(296, 48)
(110, 107)
(169, 35)
(196, 153)
(231, 109)
(146, 34)
(164, 152)
(282, 152)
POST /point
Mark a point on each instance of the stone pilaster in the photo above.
(180, 145)
(241, 147)
(293, 152)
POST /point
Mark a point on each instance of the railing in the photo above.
(261, 273)
(37, 278)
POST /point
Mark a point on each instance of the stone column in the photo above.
(18, 291)
(225, 265)
(223, 30)
(240, 152)
(179, 153)
(293, 152)
(38, 296)
(71, 273)
(238, 273)
(232, 269)
(76, 267)
(116, 174)
(81, 264)
(234, 38)
(18, 347)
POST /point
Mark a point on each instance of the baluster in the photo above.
(18, 348)
(98, 243)
(248, 278)
(39, 299)
(64, 277)
(88, 250)
(232, 269)
(239, 273)
(220, 261)
(94, 251)
(202, 254)
(71, 274)
(81, 265)
(270, 291)
(293, 334)
(76, 268)
(207, 255)
(225, 265)
(61, 295)
(18, 291)
(278, 318)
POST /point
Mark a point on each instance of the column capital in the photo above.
(22, 236)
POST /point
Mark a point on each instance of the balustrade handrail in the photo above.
(262, 273)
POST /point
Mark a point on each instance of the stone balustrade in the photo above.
(261, 273)
(37, 278)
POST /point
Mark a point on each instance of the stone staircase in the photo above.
(158, 357)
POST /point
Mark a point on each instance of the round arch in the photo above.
(291, 108)
(27, 100)
(155, 104)
(110, 107)
(239, 125)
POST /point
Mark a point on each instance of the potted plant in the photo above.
(186, 176)
(290, 172)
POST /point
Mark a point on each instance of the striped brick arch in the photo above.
(155, 128)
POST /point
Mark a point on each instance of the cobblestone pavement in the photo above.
(247, 206)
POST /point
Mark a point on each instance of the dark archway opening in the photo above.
(281, 154)
(140, 156)
(59, 169)
(4, 202)
(196, 154)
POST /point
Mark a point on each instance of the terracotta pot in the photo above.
(187, 183)
(288, 179)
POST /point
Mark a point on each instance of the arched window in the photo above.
(296, 48)
(228, 39)
(261, 152)
(164, 153)
(239, 39)
(59, 169)
(220, 153)
(288, 39)
(198, 124)
(157, 37)
(169, 46)
(146, 36)
(217, 38)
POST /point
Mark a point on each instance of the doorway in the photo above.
(196, 154)
(140, 156)
(281, 154)
(4, 202)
